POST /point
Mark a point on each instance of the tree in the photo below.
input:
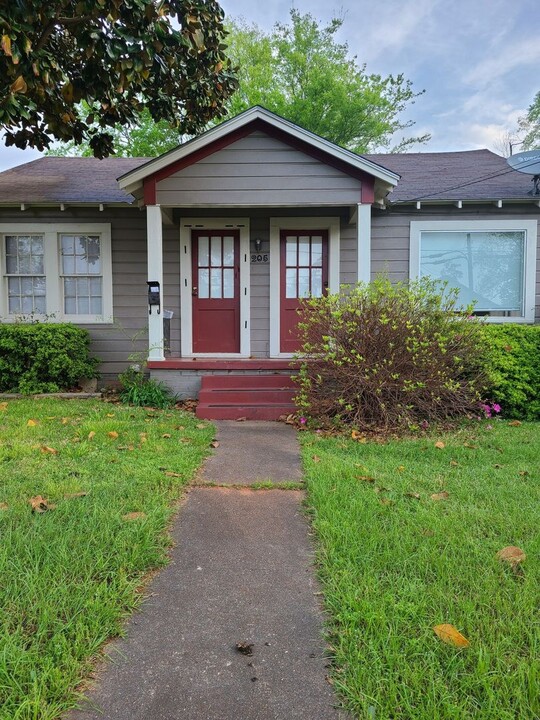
(299, 70)
(122, 57)
(530, 124)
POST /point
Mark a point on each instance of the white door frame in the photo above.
(277, 224)
(186, 305)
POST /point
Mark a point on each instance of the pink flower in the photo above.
(496, 408)
(302, 421)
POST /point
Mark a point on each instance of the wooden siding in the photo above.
(258, 171)
(390, 234)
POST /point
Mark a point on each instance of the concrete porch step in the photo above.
(253, 397)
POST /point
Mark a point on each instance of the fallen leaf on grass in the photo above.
(71, 496)
(400, 468)
(515, 423)
(426, 532)
(185, 440)
(31, 423)
(523, 473)
(48, 450)
(65, 421)
(214, 443)
(440, 445)
(365, 478)
(110, 414)
(143, 436)
(179, 427)
(200, 426)
(113, 434)
(3, 506)
(454, 463)
(440, 496)
(512, 555)
(40, 504)
(451, 635)
(414, 495)
(134, 516)
(3, 406)
(386, 501)
(170, 473)
(497, 466)
(468, 445)
(166, 436)
(316, 458)
(380, 489)
(91, 434)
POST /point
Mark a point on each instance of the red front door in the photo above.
(216, 291)
(304, 273)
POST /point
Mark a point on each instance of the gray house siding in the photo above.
(258, 171)
(390, 234)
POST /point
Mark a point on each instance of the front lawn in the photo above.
(393, 565)
(71, 574)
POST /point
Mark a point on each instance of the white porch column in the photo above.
(363, 241)
(154, 244)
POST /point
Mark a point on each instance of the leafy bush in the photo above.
(141, 391)
(513, 369)
(43, 357)
(388, 357)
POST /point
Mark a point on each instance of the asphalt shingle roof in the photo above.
(467, 175)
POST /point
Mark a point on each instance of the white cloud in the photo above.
(505, 60)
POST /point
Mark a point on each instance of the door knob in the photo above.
(194, 291)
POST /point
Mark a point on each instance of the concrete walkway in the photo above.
(240, 572)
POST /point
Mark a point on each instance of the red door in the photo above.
(304, 273)
(216, 291)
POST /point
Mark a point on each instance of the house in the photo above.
(228, 230)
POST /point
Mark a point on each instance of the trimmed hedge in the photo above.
(513, 369)
(44, 357)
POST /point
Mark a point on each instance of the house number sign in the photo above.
(258, 258)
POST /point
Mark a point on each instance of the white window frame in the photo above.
(277, 224)
(53, 270)
(528, 227)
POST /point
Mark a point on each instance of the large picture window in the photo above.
(491, 264)
(58, 272)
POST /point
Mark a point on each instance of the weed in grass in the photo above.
(393, 572)
(70, 575)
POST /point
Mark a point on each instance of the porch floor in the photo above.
(252, 364)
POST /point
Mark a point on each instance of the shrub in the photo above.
(387, 356)
(141, 391)
(44, 357)
(513, 369)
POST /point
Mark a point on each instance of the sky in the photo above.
(476, 60)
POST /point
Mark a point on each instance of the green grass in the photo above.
(71, 575)
(393, 570)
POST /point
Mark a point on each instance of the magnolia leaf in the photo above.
(3, 406)
(170, 473)
(3, 506)
(201, 426)
(91, 435)
(134, 516)
(6, 45)
(166, 435)
(515, 423)
(40, 505)
(316, 458)
(451, 635)
(19, 86)
(440, 445)
(512, 555)
(414, 495)
(214, 443)
(440, 496)
(48, 450)
(113, 434)
(454, 463)
(65, 421)
(110, 414)
(31, 423)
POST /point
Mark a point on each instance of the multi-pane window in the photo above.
(486, 267)
(25, 274)
(62, 271)
(82, 274)
(216, 266)
(303, 266)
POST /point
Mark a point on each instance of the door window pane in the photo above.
(290, 285)
(316, 282)
(303, 250)
(486, 267)
(204, 283)
(316, 251)
(215, 283)
(215, 258)
(303, 282)
(291, 252)
(203, 252)
(228, 251)
(228, 283)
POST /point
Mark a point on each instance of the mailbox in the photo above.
(154, 296)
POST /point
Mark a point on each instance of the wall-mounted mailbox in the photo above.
(154, 296)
